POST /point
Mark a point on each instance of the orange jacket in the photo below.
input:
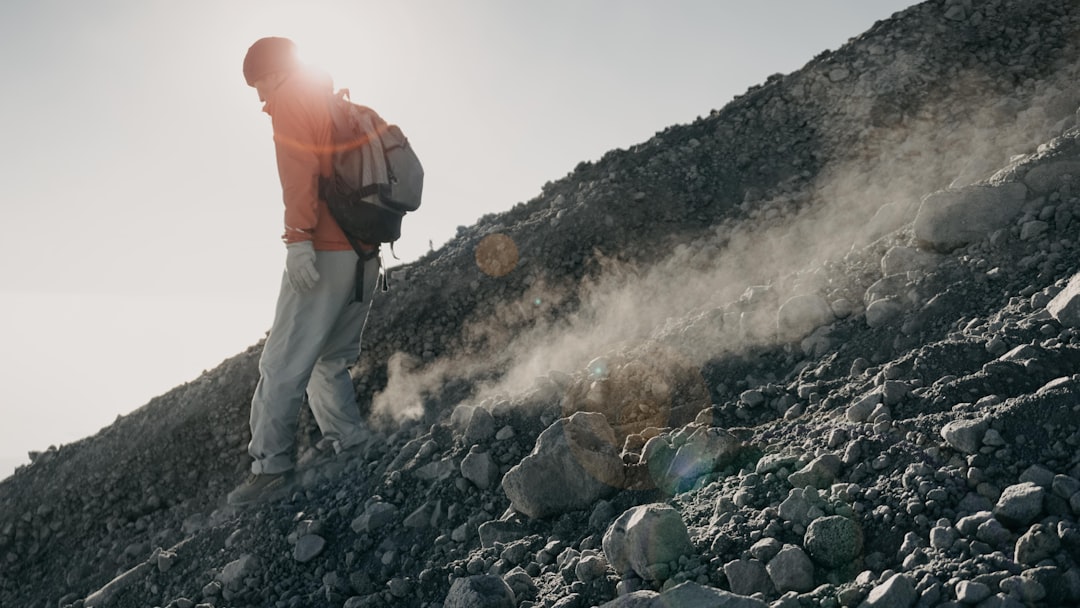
(300, 113)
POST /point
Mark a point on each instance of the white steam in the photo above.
(780, 243)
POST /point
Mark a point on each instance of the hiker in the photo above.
(320, 313)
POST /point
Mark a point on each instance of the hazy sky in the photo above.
(141, 206)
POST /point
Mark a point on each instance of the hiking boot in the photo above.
(328, 449)
(323, 451)
(261, 486)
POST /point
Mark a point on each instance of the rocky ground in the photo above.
(817, 348)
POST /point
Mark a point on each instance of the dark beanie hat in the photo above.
(269, 55)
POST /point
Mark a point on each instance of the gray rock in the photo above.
(899, 260)
(1062, 588)
(766, 549)
(423, 516)
(233, 574)
(897, 592)
(436, 471)
(515, 552)
(643, 598)
(399, 587)
(802, 314)
(752, 398)
(880, 312)
(644, 538)
(775, 461)
(799, 506)
(501, 532)
(971, 592)
(791, 570)
(1020, 504)
(459, 418)
(519, 581)
(165, 561)
(689, 593)
(893, 287)
(894, 391)
(747, 577)
(1065, 486)
(1046, 177)
(212, 589)
(575, 463)
(480, 591)
(481, 427)
(860, 410)
(601, 516)
(1035, 545)
(1026, 589)
(406, 454)
(819, 472)
(965, 435)
(590, 568)
(1033, 230)
(308, 547)
(942, 537)
(834, 541)
(969, 524)
(993, 533)
(1065, 306)
(105, 595)
(479, 468)
(949, 219)
(707, 449)
(1038, 475)
(374, 517)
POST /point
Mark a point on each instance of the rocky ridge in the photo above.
(857, 386)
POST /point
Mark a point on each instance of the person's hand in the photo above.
(300, 265)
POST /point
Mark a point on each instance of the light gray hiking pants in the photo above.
(313, 341)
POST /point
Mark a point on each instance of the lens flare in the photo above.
(496, 255)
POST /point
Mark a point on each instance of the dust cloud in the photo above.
(721, 293)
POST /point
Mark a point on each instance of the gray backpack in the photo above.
(377, 177)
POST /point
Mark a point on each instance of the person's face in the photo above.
(266, 85)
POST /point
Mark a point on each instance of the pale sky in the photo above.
(141, 206)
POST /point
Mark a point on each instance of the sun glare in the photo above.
(322, 32)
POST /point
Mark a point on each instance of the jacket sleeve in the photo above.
(298, 167)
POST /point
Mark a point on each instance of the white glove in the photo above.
(300, 265)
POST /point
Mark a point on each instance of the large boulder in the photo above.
(575, 463)
(1019, 505)
(834, 541)
(676, 468)
(802, 314)
(950, 219)
(645, 539)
